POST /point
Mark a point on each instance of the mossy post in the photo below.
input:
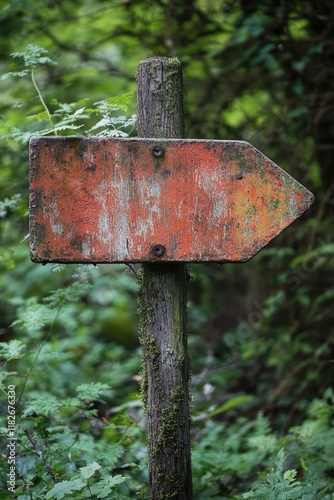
(162, 308)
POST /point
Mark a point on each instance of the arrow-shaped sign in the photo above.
(136, 200)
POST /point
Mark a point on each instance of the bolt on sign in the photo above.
(145, 200)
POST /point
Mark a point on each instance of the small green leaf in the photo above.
(60, 490)
(231, 404)
(91, 391)
(42, 116)
(9, 204)
(249, 494)
(120, 102)
(12, 350)
(14, 73)
(34, 317)
(45, 404)
(103, 488)
(290, 475)
(71, 293)
(61, 128)
(303, 464)
(78, 112)
(34, 55)
(3, 376)
(89, 471)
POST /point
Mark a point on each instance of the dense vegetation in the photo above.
(262, 333)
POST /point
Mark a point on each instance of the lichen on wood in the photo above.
(160, 98)
(165, 376)
(162, 309)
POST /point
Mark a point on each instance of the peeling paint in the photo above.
(86, 247)
(110, 200)
(50, 212)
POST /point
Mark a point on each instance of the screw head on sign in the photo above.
(158, 250)
(157, 151)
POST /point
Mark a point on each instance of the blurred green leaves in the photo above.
(261, 333)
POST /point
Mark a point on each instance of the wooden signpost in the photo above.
(162, 201)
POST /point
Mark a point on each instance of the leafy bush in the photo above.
(262, 348)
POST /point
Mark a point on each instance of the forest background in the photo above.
(261, 333)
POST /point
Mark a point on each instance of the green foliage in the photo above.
(12, 350)
(69, 117)
(9, 204)
(59, 417)
(101, 489)
(66, 488)
(279, 485)
(261, 334)
(33, 56)
(110, 125)
(228, 456)
(91, 391)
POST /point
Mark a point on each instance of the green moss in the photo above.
(149, 349)
(174, 480)
(167, 419)
(168, 89)
(179, 339)
(168, 443)
(170, 424)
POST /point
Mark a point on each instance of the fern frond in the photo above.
(34, 55)
(91, 391)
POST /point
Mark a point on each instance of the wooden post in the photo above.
(162, 308)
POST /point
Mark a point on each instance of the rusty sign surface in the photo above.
(136, 200)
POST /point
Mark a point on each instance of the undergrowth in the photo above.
(79, 430)
(101, 119)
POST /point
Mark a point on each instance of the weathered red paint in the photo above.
(112, 200)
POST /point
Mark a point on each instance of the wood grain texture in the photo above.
(160, 98)
(163, 298)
